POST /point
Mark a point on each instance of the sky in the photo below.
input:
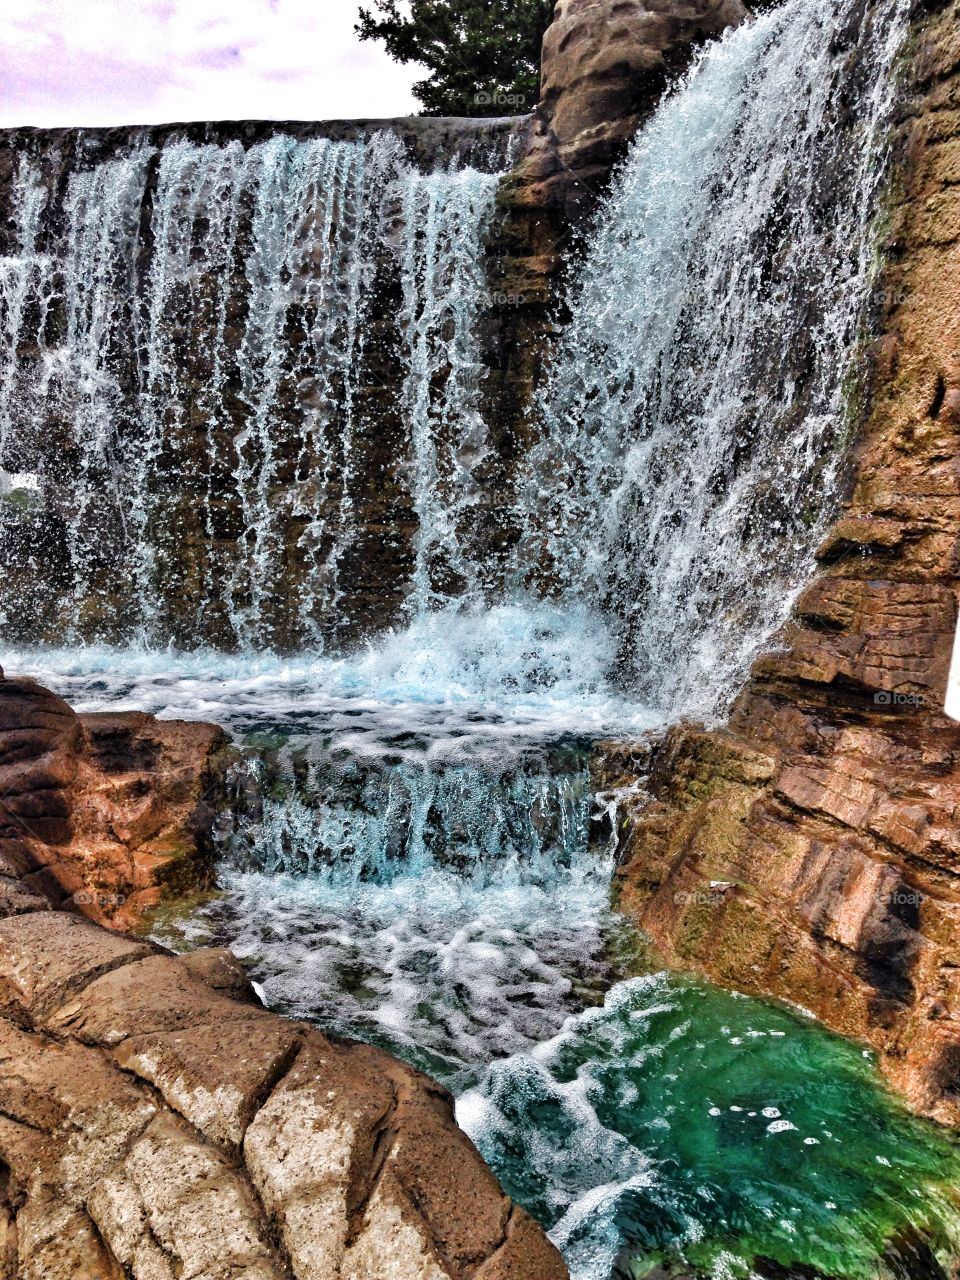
(104, 62)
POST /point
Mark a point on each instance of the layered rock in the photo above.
(110, 809)
(809, 850)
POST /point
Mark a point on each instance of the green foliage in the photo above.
(483, 55)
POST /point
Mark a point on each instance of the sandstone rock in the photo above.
(605, 65)
(839, 841)
(45, 959)
(150, 996)
(110, 809)
(220, 969)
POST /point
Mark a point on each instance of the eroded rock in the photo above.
(605, 65)
(108, 809)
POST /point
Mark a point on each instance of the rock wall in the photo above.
(809, 850)
(102, 812)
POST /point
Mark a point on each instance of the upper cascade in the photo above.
(231, 370)
(246, 383)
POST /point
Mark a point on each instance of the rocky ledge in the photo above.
(810, 850)
(155, 1121)
(108, 809)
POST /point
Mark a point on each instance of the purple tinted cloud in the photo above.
(126, 61)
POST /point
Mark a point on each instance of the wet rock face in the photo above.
(809, 850)
(104, 811)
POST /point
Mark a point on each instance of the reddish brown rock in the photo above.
(811, 850)
(109, 809)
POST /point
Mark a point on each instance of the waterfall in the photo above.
(245, 383)
(443, 290)
(194, 339)
(246, 413)
(692, 427)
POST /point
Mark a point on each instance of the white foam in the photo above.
(509, 671)
(449, 969)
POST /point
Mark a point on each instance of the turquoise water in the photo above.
(686, 1126)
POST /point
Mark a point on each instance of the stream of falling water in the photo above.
(193, 336)
(693, 423)
(236, 376)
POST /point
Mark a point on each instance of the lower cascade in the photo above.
(251, 474)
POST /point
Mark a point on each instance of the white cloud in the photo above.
(103, 62)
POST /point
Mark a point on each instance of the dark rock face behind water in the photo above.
(187, 483)
(809, 850)
(604, 69)
(155, 1121)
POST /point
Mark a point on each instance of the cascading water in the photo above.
(205, 323)
(693, 422)
(443, 288)
(244, 409)
(249, 379)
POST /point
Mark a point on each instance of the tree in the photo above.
(483, 55)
